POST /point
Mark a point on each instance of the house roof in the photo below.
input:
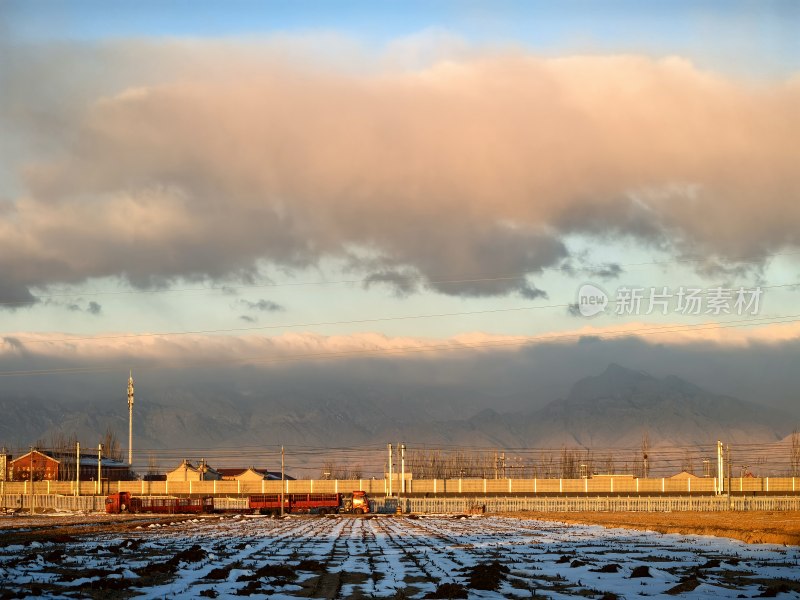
(44, 454)
(185, 464)
(237, 471)
(684, 475)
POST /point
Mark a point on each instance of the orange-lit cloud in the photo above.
(224, 350)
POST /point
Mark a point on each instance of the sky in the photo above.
(188, 185)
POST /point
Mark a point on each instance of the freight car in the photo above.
(355, 503)
(124, 502)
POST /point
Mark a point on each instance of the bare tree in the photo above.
(152, 464)
(607, 464)
(688, 462)
(111, 445)
(547, 465)
(331, 470)
(570, 462)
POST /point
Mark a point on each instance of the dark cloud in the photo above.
(403, 283)
(15, 295)
(91, 307)
(248, 319)
(531, 292)
(606, 271)
(262, 305)
(14, 343)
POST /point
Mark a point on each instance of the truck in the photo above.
(270, 504)
(122, 502)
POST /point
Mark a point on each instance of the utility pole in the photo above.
(720, 468)
(99, 469)
(130, 419)
(402, 468)
(495, 464)
(283, 484)
(728, 449)
(390, 469)
(77, 468)
(30, 473)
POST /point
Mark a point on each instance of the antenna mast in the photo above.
(130, 419)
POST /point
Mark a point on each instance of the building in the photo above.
(34, 464)
(250, 474)
(186, 471)
(110, 469)
(60, 466)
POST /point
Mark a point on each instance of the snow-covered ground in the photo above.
(345, 557)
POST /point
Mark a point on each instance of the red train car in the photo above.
(124, 502)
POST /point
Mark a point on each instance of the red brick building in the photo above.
(44, 467)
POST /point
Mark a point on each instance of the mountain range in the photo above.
(612, 409)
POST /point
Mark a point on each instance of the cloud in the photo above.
(262, 305)
(606, 271)
(247, 319)
(464, 170)
(505, 372)
(91, 307)
(402, 282)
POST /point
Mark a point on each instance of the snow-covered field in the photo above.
(346, 557)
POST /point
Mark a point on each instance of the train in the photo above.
(356, 502)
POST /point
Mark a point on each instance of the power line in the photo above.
(643, 331)
(328, 323)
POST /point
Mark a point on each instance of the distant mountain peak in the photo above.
(615, 370)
